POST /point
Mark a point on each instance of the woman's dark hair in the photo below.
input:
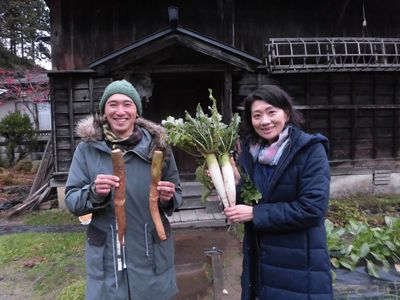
(274, 95)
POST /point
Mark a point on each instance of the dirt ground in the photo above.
(194, 268)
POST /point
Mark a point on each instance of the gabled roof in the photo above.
(172, 37)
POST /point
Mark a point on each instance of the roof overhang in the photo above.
(136, 52)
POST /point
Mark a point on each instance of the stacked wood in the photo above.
(41, 188)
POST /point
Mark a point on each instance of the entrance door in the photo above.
(173, 94)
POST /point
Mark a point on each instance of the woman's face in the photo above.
(268, 121)
(120, 113)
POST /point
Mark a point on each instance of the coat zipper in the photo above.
(146, 241)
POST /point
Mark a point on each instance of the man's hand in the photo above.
(166, 190)
(104, 183)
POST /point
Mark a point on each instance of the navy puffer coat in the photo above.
(285, 250)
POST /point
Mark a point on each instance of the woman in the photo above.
(149, 272)
(285, 253)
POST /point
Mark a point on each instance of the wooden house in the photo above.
(338, 59)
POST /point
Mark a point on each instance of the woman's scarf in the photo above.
(270, 154)
(124, 144)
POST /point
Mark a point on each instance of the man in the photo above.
(149, 272)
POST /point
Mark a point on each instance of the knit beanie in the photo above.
(121, 87)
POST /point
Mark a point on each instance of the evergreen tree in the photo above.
(21, 24)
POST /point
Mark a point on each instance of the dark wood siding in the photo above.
(73, 95)
(358, 112)
(83, 31)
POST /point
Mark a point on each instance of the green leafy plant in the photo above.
(204, 178)
(207, 137)
(18, 132)
(360, 244)
(249, 192)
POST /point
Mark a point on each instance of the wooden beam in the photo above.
(347, 107)
(53, 122)
(186, 68)
(227, 99)
(71, 116)
(220, 55)
(91, 100)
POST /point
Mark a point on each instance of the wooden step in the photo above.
(191, 189)
(192, 203)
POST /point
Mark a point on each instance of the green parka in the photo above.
(150, 272)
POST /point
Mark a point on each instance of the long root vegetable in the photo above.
(119, 195)
(217, 178)
(156, 169)
(229, 179)
(208, 137)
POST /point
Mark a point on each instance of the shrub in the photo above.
(19, 134)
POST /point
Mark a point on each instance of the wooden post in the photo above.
(227, 99)
(218, 278)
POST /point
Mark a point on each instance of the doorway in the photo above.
(175, 93)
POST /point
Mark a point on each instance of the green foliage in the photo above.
(249, 192)
(203, 177)
(18, 132)
(10, 61)
(203, 134)
(74, 291)
(21, 23)
(360, 244)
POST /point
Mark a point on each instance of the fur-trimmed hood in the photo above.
(90, 129)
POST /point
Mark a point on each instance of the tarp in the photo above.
(358, 284)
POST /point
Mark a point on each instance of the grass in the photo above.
(74, 291)
(51, 260)
(50, 217)
(369, 209)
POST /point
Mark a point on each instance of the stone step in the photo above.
(191, 189)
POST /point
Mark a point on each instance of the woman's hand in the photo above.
(166, 190)
(104, 183)
(239, 213)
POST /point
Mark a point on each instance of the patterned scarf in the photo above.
(124, 144)
(270, 154)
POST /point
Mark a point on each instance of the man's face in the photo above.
(120, 113)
